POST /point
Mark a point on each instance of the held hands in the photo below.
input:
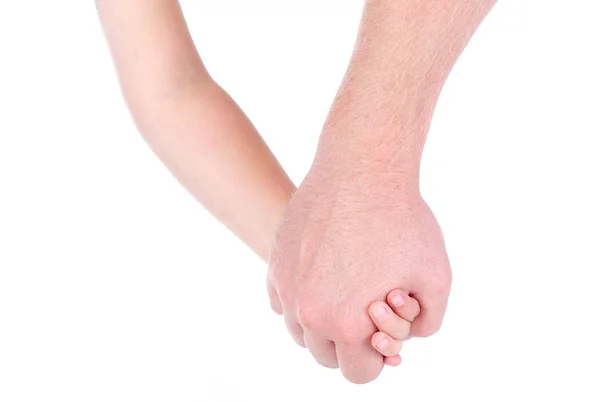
(346, 239)
(351, 232)
(393, 321)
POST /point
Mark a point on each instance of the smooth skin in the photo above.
(358, 225)
(211, 147)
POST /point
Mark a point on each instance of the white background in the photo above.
(115, 285)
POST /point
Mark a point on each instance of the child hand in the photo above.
(393, 319)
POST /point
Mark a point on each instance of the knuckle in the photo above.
(308, 316)
(349, 333)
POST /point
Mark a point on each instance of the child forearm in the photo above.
(194, 127)
(215, 152)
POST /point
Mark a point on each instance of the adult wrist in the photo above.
(364, 173)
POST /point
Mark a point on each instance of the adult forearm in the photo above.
(404, 53)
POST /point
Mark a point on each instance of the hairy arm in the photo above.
(358, 226)
(189, 121)
(403, 56)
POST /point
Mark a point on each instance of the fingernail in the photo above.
(380, 312)
(397, 300)
(383, 344)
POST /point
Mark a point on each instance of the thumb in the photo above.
(433, 309)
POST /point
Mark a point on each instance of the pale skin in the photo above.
(357, 226)
(209, 145)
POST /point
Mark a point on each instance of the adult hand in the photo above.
(347, 238)
(358, 227)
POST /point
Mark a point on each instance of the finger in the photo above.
(387, 321)
(403, 305)
(274, 298)
(385, 344)
(360, 364)
(431, 316)
(392, 361)
(322, 350)
(295, 330)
